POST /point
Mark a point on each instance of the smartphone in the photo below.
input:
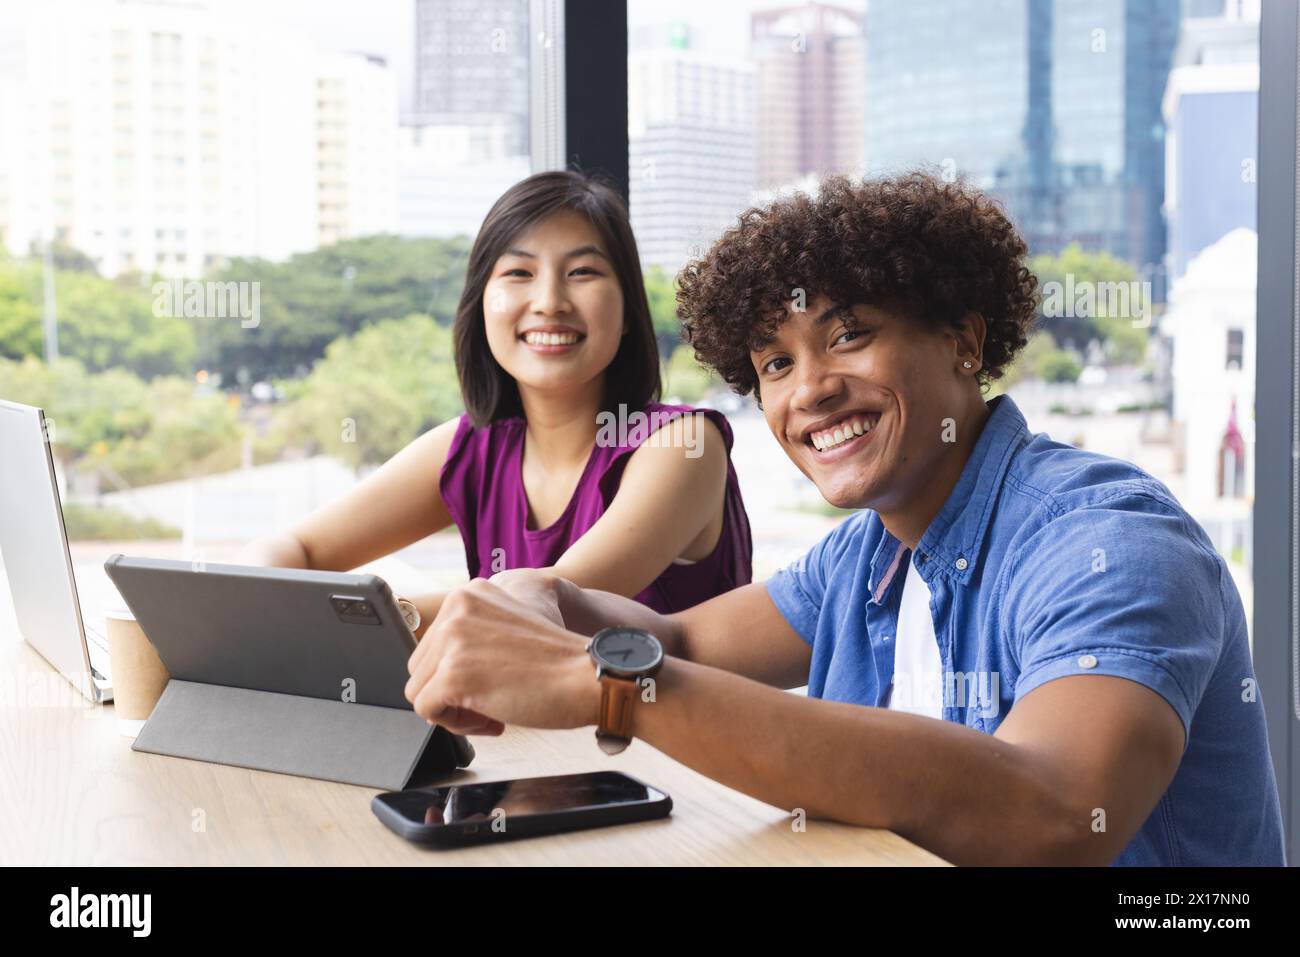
(484, 812)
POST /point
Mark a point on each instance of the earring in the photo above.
(966, 364)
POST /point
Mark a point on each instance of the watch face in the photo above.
(627, 649)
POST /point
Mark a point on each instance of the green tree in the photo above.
(314, 298)
(686, 378)
(107, 325)
(1125, 343)
(103, 324)
(186, 433)
(141, 432)
(1059, 366)
(20, 315)
(374, 392)
(662, 293)
(1039, 359)
(86, 409)
(1100, 283)
(67, 258)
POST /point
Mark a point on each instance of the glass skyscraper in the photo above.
(1052, 105)
(471, 67)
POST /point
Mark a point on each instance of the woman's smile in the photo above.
(552, 339)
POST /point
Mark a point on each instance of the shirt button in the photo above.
(961, 564)
(1087, 661)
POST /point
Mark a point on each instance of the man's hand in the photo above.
(489, 660)
(538, 588)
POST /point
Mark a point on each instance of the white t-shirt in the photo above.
(918, 673)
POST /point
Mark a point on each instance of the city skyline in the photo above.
(806, 118)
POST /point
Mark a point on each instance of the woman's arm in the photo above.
(396, 505)
(669, 505)
(278, 549)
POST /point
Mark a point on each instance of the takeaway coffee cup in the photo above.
(139, 675)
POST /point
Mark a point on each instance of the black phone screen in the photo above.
(455, 804)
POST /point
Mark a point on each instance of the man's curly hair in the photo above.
(937, 250)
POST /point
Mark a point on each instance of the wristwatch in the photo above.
(410, 614)
(623, 658)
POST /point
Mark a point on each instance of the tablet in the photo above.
(331, 635)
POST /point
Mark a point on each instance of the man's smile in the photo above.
(841, 435)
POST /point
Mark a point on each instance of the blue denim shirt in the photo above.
(1047, 561)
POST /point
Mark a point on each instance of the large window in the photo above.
(232, 239)
(233, 234)
(1122, 145)
(1149, 155)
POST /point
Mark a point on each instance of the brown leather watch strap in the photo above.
(617, 697)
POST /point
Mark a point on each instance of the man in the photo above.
(1019, 652)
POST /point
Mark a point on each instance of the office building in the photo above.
(155, 136)
(690, 149)
(1211, 107)
(471, 67)
(1211, 327)
(171, 136)
(809, 95)
(449, 177)
(1052, 106)
(356, 147)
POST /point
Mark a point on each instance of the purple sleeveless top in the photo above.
(483, 488)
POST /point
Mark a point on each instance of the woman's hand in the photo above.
(489, 660)
(427, 604)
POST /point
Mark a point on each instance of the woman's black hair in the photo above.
(489, 392)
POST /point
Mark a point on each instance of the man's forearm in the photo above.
(968, 797)
(741, 631)
(587, 610)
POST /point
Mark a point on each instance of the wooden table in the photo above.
(73, 792)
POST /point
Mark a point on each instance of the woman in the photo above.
(564, 459)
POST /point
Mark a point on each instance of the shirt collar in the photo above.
(955, 538)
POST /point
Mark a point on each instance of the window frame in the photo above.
(578, 74)
(1276, 519)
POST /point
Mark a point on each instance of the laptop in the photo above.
(34, 546)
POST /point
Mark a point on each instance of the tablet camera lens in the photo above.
(355, 611)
